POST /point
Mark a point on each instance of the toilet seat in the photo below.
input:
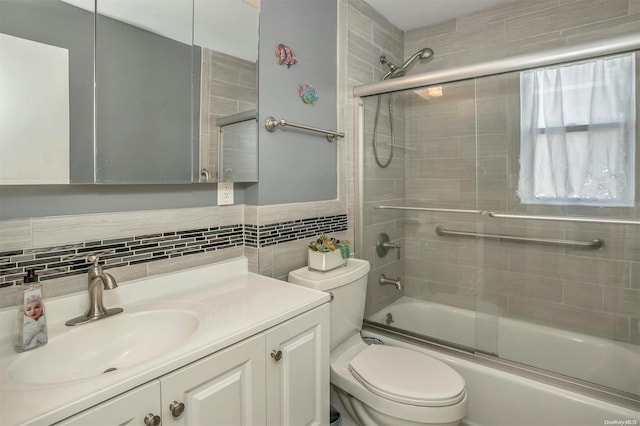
(407, 376)
(344, 380)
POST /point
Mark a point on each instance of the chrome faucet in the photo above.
(97, 279)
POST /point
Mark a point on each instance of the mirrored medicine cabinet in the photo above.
(165, 72)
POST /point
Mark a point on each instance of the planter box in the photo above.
(325, 261)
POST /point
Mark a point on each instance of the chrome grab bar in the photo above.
(595, 243)
(497, 215)
(271, 124)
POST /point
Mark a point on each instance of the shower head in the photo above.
(421, 54)
(395, 71)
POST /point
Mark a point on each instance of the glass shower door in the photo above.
(477, 270)
(567, 290)
(430, 184)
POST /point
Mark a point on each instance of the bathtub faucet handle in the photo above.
(384, 244)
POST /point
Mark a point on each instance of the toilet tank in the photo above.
(348, 285)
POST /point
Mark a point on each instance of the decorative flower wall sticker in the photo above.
(308, 94)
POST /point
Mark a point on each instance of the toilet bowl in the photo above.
(378, 384)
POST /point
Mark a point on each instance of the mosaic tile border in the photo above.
(293, 230)
(70, 259)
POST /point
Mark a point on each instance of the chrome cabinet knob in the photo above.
(276, 355)
(176, 408)
(152, 420)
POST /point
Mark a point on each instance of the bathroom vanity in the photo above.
(213, 342)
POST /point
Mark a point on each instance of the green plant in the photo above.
(326, 244)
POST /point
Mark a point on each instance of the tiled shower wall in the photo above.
(519, 27)
(370, 35)
(462, 152)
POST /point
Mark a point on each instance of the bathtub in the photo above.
(498, 397)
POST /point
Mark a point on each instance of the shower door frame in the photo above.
(516, 63)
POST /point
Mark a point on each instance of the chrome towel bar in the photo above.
(271, 124)
(497, 215)
(595, 243)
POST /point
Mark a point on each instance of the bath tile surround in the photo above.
(67, 259)
(446, 164)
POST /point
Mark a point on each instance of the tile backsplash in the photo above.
(292, 230)
(134, 245)
(71, 259)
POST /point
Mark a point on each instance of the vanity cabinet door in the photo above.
(138, 407)
(298, 370)
(226, 388)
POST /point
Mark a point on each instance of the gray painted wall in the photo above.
(60, 200)
(294, 165)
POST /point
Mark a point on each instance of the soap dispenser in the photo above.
(31, 325)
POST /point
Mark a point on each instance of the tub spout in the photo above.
(396, 282)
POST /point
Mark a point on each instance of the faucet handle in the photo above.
(94, 269)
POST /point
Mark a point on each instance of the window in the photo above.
(577, 125)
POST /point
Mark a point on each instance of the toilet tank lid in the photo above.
(325, 281)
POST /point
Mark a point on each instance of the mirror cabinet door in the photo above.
(226, 34)
(143, 91)
(165, 72)
(46, 81)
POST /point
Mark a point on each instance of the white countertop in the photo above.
(232, 305)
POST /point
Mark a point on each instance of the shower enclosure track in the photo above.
(559, 55)
(497, 215)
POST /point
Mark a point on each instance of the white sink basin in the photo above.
(111, 344)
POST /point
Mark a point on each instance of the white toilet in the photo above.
(382, 385)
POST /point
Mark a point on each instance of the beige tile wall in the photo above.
(593, 292)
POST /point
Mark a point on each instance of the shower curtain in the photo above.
(577, 133)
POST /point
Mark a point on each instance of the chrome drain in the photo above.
(109, 370)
